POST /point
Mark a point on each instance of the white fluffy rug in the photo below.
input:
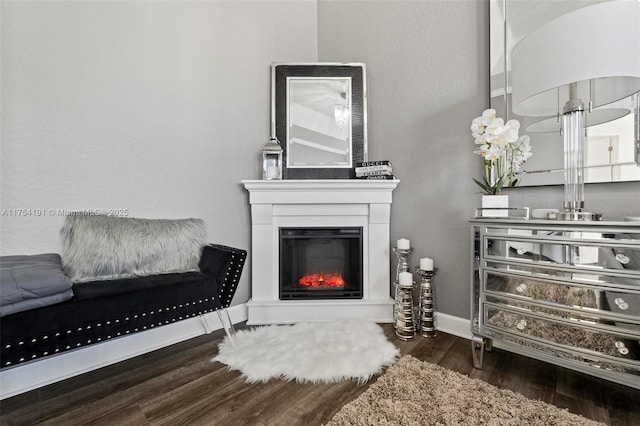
(309, 352)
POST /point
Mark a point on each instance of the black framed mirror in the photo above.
(319, 114)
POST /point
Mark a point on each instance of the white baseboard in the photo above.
(25, 377)
(457, 326)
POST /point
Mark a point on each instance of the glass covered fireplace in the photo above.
(320, 263)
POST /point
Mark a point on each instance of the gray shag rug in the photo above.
(413, 392)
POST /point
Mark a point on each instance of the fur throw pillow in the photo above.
(107, 247)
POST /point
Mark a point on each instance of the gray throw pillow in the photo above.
(107, 247)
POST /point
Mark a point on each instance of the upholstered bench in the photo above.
(123, 296)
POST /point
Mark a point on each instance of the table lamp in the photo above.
(571, 67)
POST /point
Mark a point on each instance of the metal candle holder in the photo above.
(403, 260)
(403, 314)
(403, 266)
(403, 309)
(425, 317)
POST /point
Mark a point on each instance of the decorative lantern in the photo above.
(272, 160)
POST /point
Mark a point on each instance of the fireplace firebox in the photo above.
(321, 263)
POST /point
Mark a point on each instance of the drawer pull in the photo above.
(622, 348)
(521, 325)
(622, 258)
(621, 303)
(521, 288)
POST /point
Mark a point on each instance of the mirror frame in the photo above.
(280, 72)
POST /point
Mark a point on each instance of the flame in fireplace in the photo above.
(322, 280)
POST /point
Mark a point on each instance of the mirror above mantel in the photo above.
(319, 115)
(612, 148)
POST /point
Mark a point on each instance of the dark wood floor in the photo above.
(179, 385)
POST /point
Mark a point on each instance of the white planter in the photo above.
(496, 205)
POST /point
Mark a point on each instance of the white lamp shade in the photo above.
(596, 46)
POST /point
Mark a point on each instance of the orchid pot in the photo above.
(495, 205)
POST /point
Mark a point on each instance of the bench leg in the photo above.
(225, 319)
(207, 330)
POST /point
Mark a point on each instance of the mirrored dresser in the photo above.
(567, 293)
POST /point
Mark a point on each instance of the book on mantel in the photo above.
(377, 177)
(374, 170)
(360, 164)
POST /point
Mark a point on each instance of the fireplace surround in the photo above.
(295, 207)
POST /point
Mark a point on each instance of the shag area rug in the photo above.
(324, 352)
(413, 392)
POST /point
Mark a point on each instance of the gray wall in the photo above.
(427, 71)
(428, 77)
(157, 108)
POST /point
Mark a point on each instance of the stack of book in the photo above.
(374, 170)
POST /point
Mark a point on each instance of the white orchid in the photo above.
(503, 151)
(511, 131)
(489, 114)
(495, 128)
(520, 152)
(477, 127)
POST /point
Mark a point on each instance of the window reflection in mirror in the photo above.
(319, 122)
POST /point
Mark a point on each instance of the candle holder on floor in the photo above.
(425, 316)
(403, 309)
(403, 261)
(403, 266)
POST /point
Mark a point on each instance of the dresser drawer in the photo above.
(609, 344)
(572, 275)
(593, 253)
(566, 299)
(601, 236)
(591, 318)
(532, 288)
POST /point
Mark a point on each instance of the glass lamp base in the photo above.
(573, 216)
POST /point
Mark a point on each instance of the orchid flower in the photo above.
(503, 152)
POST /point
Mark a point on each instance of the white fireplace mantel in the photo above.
(279, 204)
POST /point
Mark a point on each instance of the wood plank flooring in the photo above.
(179, 385)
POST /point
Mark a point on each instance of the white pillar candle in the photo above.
(426, 264)
(405, 278)
(404, 244)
